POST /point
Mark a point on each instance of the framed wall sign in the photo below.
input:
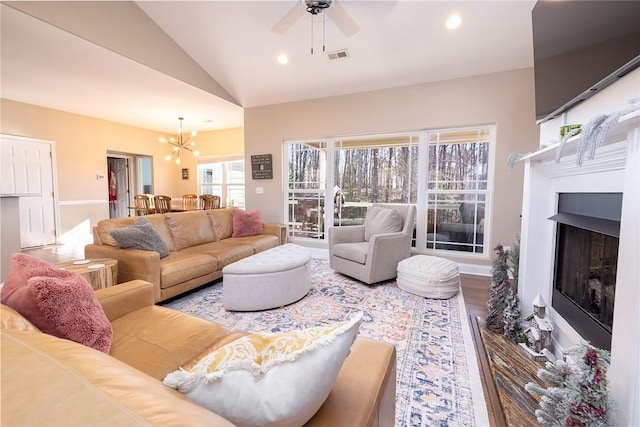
(185, 173)
(261, 166)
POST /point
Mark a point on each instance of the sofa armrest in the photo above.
(348, 234)
(275, 230)
(125, 298)
(133, 264)
(364, 393)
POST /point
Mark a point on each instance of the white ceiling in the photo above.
(399, 43)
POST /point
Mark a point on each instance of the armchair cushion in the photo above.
(353, 251)
(381, 220)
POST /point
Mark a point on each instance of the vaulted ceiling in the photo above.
(146, 63)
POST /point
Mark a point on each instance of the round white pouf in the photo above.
(429, 276)
(268, 279)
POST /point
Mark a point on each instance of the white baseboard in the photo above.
(478, 270)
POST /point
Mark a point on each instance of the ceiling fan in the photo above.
(332, 8)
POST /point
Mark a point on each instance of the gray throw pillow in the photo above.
(381, 220)
(141, 235)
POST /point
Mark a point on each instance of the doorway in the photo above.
(118, 182)
(128, 175)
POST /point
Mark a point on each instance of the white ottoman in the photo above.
(268, 279)
(429, 276)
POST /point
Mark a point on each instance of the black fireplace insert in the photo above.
(588, 231)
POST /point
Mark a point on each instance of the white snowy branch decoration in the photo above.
(593, 135)
(594, 132)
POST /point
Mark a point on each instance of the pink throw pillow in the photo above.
(56, 301)
(247, 223)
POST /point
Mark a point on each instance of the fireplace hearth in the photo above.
(586, 263)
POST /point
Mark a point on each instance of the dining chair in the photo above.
(208, 201)
(189, 202)
(142, 205)
(162, 204)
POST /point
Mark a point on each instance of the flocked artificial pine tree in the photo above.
(498, 291)
(511, 316)
(578, 392)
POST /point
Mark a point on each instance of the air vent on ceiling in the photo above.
(338, 54)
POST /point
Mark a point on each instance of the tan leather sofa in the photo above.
(200, 245)
(52, 381)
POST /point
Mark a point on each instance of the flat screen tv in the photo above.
(579, 48)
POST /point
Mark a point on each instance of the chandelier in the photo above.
(179, 142)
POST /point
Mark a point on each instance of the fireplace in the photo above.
(586, 261)
(615, 168)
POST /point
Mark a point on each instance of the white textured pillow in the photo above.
(269, 379)
(381, 220)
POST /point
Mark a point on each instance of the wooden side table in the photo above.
(100, 273)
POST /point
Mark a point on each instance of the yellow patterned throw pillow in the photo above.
(270, 379)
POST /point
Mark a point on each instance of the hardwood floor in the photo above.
(474, 288)
(57, 253)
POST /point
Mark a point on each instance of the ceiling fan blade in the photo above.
(342, 19)
(289, 19)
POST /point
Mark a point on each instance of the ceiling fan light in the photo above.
(196, 153)
(178, 161)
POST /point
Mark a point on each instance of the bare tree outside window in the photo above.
(385, 169)
(306, 189)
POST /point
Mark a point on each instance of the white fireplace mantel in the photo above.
(614, 169)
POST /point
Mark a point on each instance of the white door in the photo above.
(27, 170)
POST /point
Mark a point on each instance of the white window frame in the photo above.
(422, 194)
(223, 185)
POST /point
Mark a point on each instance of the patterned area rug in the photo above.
(438, 382)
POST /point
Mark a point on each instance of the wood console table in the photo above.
(100, 273)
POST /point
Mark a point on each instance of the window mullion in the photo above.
(422, 194)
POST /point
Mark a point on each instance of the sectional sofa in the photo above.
(200, 244)
(48, 380)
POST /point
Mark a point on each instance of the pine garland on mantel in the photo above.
(593, 134)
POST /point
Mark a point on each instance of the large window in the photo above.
(224, 179)
(457, 189)
(307, 171)
(444, 172)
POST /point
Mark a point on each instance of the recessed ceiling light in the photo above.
(454, 22)
(283, 59)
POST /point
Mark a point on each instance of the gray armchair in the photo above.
(371, 252)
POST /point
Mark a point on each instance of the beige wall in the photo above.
(505, 99)
(213, 145)
(81, 144)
